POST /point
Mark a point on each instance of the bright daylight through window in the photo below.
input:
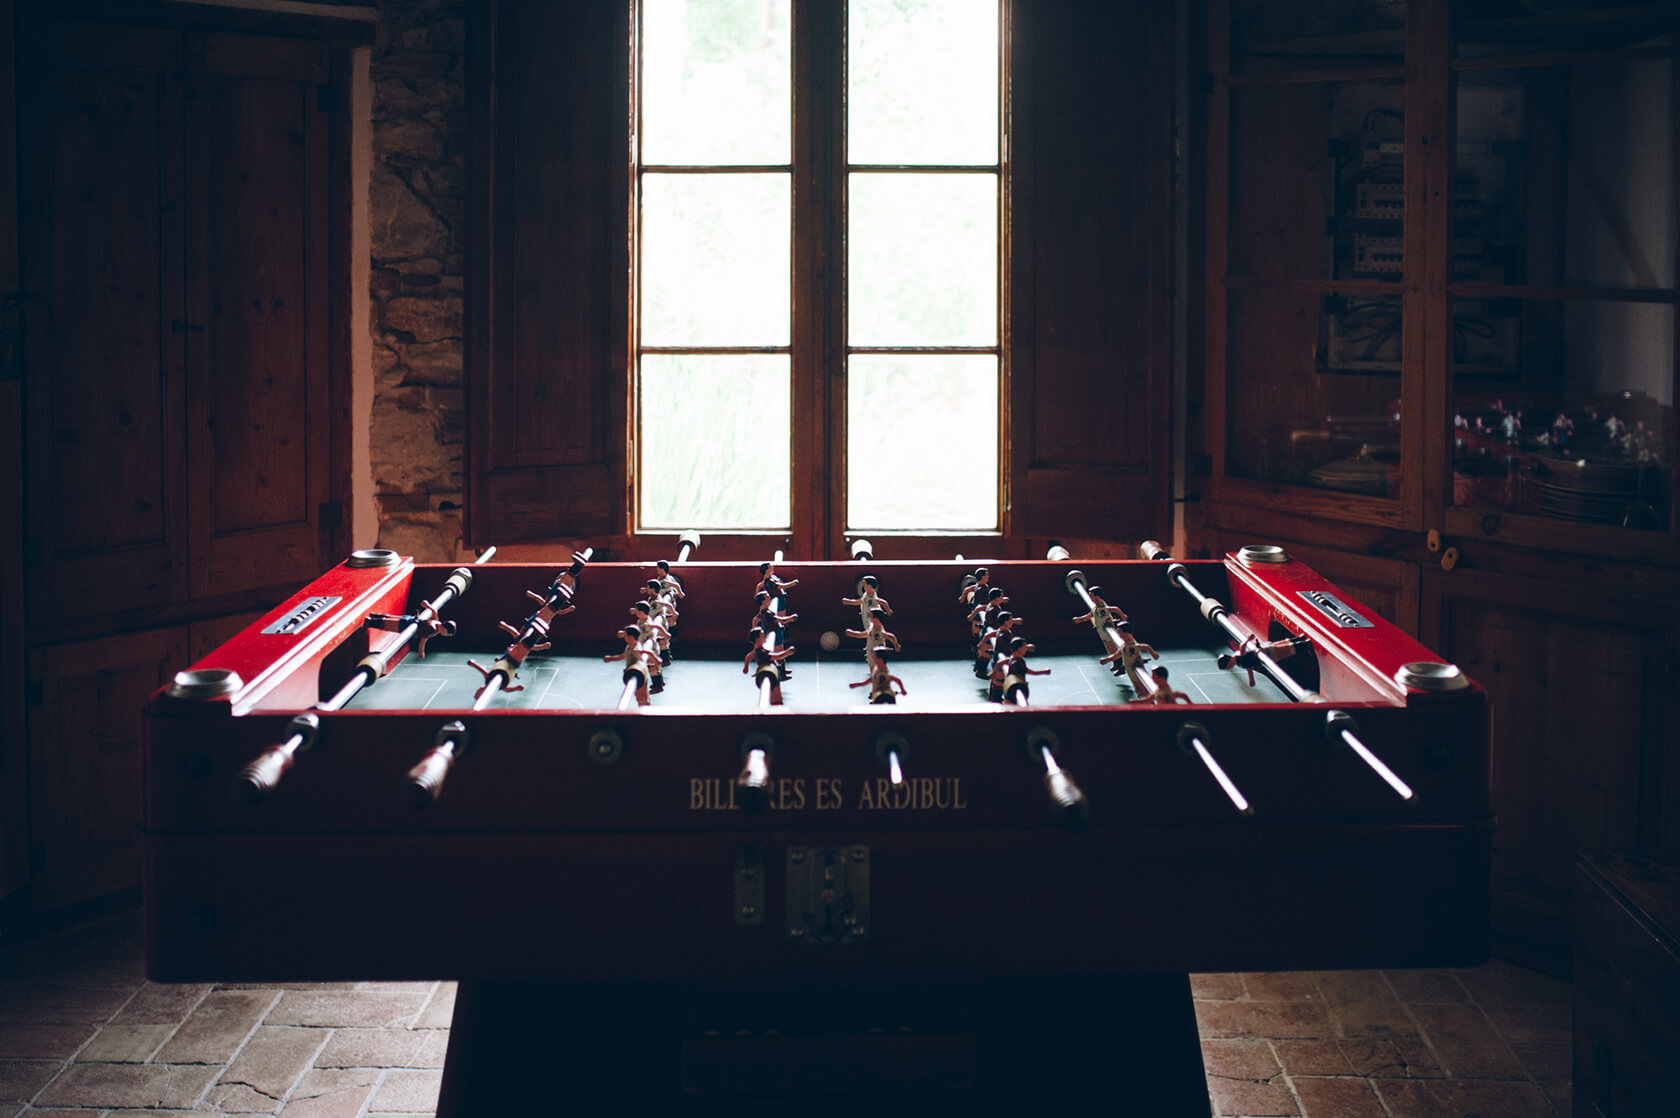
(915, 328)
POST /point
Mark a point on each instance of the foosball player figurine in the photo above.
(1102, 617)
(653, 640)
(669, 581)
(999, 630)
(1129, 658)
(548, 608)
(874, 635)
(426, 620)
(1015, 680)
(1164, 693)
(868, 600)
(665, 609)
(1247, 654)
(772, 585)
(1000, 669)
(975, 586)
(652, 624)
(757, 639)
(636, 662)
(761, 604)
(531, 640)
(993, 598)
(767, 666)
(880, 680)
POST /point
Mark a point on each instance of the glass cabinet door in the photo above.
(1310, 268)
(1564, 288)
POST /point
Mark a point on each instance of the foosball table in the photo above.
(926, 831)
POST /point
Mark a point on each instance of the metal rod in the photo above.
(1237, 799)
(628, 696)
(895, 771)
(493, 684)
(1382, 770)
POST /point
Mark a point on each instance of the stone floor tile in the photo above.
(1262, 1019)
(215, 1030)
(1405, 1057)
(11, 1109)
(1363, 1006)
(272, 1061)
(161, 1003)
(399, 987)
(1281, 986)
(1532, 1023)
(61, 1005)
(1500, 983)
(43, 1042)
(370, 1048)
(332, 1093)
(1349, 1097)
(21, 1079)
(395, 1114)
(1251, 1099)
(1546, 1060)
(408, 1091)
(432, 1050)
(139, 1086)
(1430, 986)
(1216, 987)
(1239, 1058)
(125, 1044)
(1467, 1042)
(1449, 1098)
(140, 1113)
(440, 1009)
(346, 1008)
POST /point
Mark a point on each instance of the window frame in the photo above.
(818, 347)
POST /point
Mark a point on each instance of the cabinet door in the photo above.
(100, 208)
(1583, 690)
(84, 759)
(258, 407)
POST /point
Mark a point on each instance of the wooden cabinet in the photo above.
(183, 217)
(1440, 290)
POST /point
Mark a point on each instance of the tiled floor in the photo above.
(82, 1033)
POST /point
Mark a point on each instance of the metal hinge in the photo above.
(828, 894)
(749, 884)
(328, 98)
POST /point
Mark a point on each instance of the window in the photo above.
(773, 390)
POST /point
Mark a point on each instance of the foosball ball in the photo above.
(924, 831)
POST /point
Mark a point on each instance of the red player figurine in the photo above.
(767, 669)
(772, 585)
(637, 661)
(1246, 655)
(1015, 682)
(881, 680)
(1163, 690)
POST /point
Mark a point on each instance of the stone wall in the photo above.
(416, 218)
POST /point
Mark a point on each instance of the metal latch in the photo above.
(828, 894)
(1335, 609)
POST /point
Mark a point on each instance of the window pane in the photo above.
(922, 81)
(922, 442)
(716, 76)
(922, 263)
(714, 441)
(715, 260)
